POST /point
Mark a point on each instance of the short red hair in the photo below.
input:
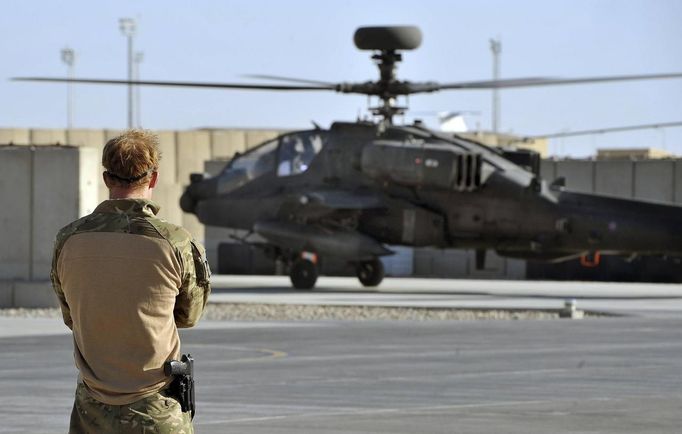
(131, 158)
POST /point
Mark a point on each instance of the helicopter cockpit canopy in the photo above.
(287, 155)
(254, 163)
(297, 151)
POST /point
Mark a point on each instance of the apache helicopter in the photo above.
(347, 191)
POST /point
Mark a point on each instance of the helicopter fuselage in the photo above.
(358, 186)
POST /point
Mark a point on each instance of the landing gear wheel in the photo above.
(370, 273)
(303, 274)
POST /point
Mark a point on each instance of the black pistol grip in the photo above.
(173, 367)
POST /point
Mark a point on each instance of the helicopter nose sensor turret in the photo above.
(188, 202)
(197, 186)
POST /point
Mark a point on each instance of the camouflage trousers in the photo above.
(157, 413)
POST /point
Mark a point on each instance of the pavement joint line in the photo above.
(417, 377)
(268, 354)
(367, 412)
(587, 348)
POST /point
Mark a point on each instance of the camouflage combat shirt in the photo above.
(126, 280)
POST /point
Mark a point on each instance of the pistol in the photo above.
(182, 386)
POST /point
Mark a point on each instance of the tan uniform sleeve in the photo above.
(196, 285)
(56, 285)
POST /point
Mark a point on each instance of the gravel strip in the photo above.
(301, 312)
(23, 312)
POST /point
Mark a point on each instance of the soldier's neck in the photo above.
(128, 193)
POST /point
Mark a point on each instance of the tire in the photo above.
(370, 273)
(303, 274)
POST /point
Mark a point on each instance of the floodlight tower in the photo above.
(139, 57)
(496, 48)
(69, 59)
(128, 27)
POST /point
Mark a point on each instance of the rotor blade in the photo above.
(492, 84)
(290, 79)
(606, 130)
(546, 81)
(177, 84)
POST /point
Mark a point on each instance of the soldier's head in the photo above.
(131, 163)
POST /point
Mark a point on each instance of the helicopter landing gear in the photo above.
(370, 273)
(303, 272)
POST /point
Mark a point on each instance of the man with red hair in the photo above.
(126, 281)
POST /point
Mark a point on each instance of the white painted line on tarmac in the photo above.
(403, 410)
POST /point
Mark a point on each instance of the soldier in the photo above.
(126, 281)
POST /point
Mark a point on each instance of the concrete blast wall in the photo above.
(43, 189)
(659, 180)
(16, 213)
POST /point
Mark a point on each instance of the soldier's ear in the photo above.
(155, 177)
(107, 182)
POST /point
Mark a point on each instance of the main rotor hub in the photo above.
(387, 40)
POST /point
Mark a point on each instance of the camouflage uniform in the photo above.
(117, 406)
(157, 413)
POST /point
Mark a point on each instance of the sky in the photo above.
(222, 41)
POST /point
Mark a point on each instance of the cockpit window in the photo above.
(297, 151)
(256, 162)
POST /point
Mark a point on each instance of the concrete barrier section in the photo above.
(192, 224)
(431, 262)
(579, 174)
(34, 294)
(257, 137)
(16, 215)
(654, 180)
(45, 189)
(614, 178)
(55, 201)
(193, 148)
(86, 137)
(16, 136)
(213, 237)
(495, 265)
(168, 198)
(168, 169)
(401, 263)
(110, 134)
(30, 294)
(6, 294)
(224, 143)
(548, 170)
(89, 180)
(516, 269)
(678, 181)
(48, 137)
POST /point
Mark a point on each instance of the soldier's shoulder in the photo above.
(176, 235)
(94, 222)
(72, 228)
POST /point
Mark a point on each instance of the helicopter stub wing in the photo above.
(337, 242)
(341, 199)
(314, 204)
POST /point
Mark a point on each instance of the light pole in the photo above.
(69, 58)
(127, 26)
(496, 48)
(139, 57)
